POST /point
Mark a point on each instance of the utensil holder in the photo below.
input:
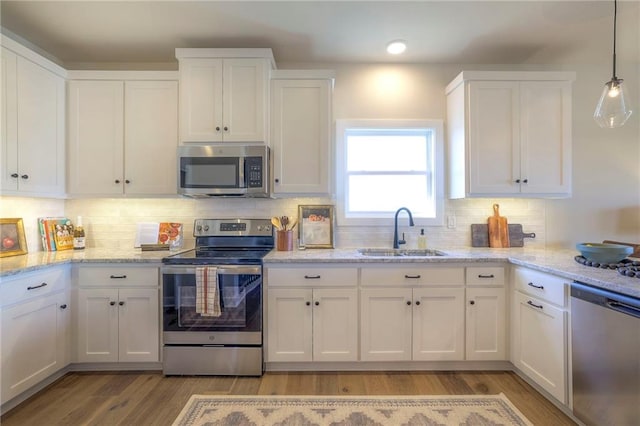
(284, 240)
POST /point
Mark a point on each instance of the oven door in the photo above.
(239, 289)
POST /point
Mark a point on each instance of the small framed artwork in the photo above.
(12, 241)
(315, 226)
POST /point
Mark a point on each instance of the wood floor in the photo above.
(149, 398)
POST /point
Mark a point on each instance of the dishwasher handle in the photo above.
(623, 308)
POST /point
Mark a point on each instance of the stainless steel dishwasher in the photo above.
(605, 338)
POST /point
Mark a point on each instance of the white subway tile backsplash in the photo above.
(112, 222)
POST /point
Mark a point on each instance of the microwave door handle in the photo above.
(242, 182)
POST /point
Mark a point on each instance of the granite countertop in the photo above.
(42, 259)
(557, 262)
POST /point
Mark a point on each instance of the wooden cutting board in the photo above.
(480, 235)
(636, 247)
(498, 229)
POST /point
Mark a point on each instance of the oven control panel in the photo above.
(235, 227)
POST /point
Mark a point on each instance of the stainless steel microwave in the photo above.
(223, 170)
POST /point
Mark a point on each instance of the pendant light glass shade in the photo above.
(612, 110)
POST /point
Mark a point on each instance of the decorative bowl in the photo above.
(604, 253)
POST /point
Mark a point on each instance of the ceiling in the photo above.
(85, 34)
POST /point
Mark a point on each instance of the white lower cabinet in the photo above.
(312, 313)
(120, 323)
(402, 324)
(486, 327)
(312, 324)
(539, 330)
(35, 334)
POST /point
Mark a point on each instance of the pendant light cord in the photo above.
(615, 16)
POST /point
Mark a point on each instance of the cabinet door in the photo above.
(300, 141)
(9, 156)
(96, 126)
(138, 325)
(335, 324)
(539, 343)
(201, 100)
(438, 324)
(244, 96)
(545, 123)
(486, 325)
(150, 137)
(385, 324)
(33, 342)
(289, 325)
(97, 326)
(41, 131)
(493, 137)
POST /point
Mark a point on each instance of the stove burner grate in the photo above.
(626, 267)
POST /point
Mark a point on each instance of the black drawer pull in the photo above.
(37, 286)
(539, 287)
(118, 277)
(312, 277)
(412, 277)
(530, 303)
(486, 276)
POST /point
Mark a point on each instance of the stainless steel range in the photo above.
(212, 300)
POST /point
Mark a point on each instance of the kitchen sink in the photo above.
(382, 252)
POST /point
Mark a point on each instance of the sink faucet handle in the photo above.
(402, 241)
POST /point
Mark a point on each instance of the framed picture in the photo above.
(315, 226)
(12, 241)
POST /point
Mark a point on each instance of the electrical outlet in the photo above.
(451, 222)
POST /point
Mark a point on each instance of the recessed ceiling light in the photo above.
(396, 47)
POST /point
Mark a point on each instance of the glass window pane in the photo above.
(387, 193)
(387, 152)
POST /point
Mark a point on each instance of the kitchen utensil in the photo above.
(480, 235)
(276, 222)
(604, 253)
(284, 220)
(517, 236)
(636, 247)
(498, 230)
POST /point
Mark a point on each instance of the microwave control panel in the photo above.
(253, 172)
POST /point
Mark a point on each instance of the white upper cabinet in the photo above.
(510, 134)
(224, 94)
(33, 134)
(301, 131)
(123, 136)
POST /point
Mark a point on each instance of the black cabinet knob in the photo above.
(277, 180)
(517, 180)
(526, 181)
(121, 303)
(226, 128)
(217, 128)
(25, 177)
(317, 303)
(63, 306)
(117, 180)
(472, 302)
(308, 303)
(112, 303)
(14, 175)
(408, 302)
(127, 181)
(417, 302)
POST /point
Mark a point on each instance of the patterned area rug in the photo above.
(352, 410)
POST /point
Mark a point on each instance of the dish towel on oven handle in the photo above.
(207, 294)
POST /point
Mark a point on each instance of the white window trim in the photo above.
(342, 125)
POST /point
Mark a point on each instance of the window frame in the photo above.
(435, 125)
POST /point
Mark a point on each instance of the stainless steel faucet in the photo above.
(396, 242)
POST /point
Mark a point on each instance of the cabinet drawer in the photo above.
(117, 276)
(411, 275)
(485, 275)
(549, 288)
(312, 275)
(33, 284)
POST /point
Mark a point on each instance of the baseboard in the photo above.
(391, 366)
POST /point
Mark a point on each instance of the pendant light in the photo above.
(612, 109)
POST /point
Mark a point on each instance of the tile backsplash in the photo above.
(112, 222)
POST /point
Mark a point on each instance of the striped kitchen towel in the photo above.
(207, 294)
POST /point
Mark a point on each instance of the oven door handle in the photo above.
(221, 270)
